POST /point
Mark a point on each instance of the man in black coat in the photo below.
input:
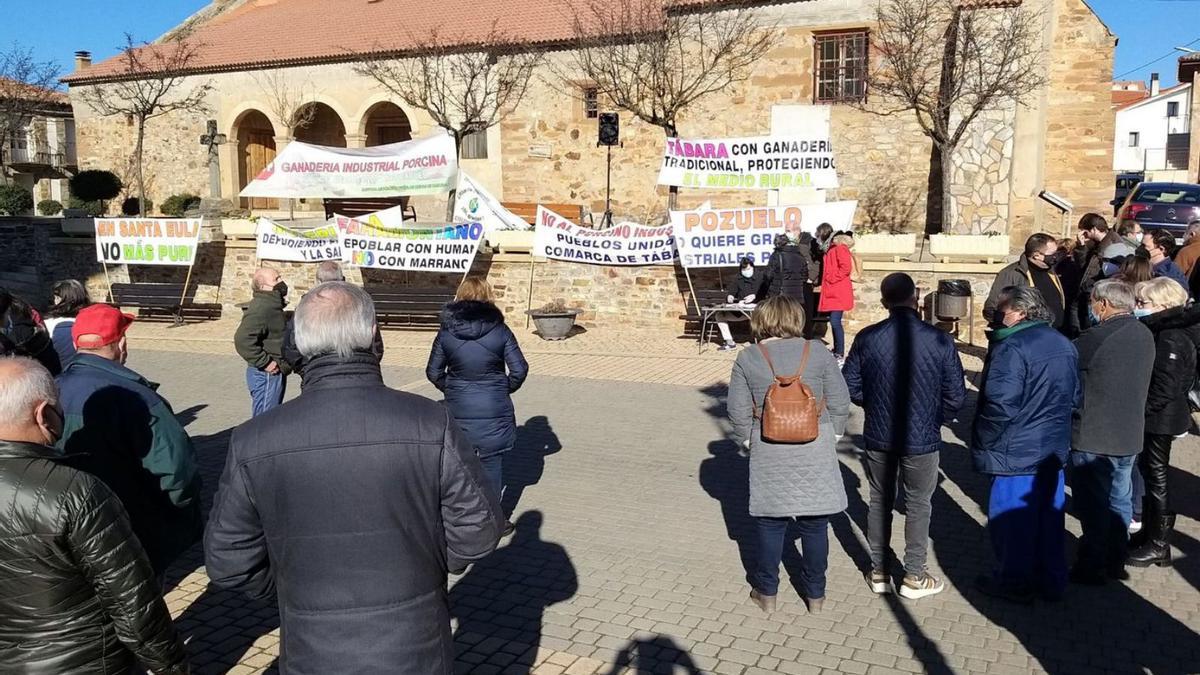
(1116, 358)
(1036, 268)
(908, 378)
(351, 504)
(77, 594)
(326, 271)
(793, 270)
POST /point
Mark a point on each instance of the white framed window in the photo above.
(1134, 139)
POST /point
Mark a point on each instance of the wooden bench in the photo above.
(153, 300)
(409, 305)
(527, 211)
(361, 206)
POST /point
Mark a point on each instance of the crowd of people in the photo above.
(351, 503)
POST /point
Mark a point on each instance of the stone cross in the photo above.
(213, 140)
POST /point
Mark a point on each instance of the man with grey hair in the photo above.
(327, 271)
(259, 340)
(1189, 253)
(352, 503)
(78, 593)
(1116, 358)
(1021, 438)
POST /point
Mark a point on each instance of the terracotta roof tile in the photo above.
(48, 95)
(262, 33)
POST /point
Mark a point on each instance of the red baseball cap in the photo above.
(105, 321)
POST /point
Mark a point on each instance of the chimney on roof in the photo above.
(83, 60)
(1154, 84)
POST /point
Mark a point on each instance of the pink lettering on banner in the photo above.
(697, 150)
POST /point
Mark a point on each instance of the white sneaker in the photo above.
(920, 587)
(1135, 526)
(878, 582)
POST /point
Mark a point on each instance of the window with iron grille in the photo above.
(474, 146)
(591, 102)
(841, 67)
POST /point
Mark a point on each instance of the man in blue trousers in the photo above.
(259, 340)
(1021, 437)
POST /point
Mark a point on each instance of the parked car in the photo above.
(1125, 184)
(1170, 206)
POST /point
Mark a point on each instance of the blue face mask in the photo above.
(1092, 316)
(1142, 311)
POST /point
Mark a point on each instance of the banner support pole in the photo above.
(107, 280)
(692, 289)
(529, 300)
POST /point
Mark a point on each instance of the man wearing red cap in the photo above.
(126, 434)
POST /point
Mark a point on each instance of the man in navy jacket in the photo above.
(1021, 438)
(914, 381)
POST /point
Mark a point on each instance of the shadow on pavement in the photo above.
(651, 655)
(501, 600)
(524, 466)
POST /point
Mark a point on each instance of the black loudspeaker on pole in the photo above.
(608, 134)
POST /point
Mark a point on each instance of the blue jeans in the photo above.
(839, 333)
(493, 473)
(814, 541)
(1102, 492)
(1027, 524)
(266, 390)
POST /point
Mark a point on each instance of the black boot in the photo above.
(1157, 549)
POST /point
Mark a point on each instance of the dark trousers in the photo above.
(809, 299)
(493, 471)
(1154, 463)
(1027, 525)
(917, 476)
(1102, 495)
(813, 532)
(839, 332)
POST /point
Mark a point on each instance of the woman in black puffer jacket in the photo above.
(477, 363)
(1176, 327)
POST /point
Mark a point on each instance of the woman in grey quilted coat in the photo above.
(791, 486)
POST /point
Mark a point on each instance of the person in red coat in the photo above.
(837, 289)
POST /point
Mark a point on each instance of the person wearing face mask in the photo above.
(743, 290)
(1021, 438)
(1116, 358)
(1159, 244)
(1162, 307)
(1034, 268)
(792, 271)
(77, 594)
(259, 340)
(117, 427)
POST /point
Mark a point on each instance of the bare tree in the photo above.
(150, 84)
(291, 101)
(464, 89)
(655, 62)
(948, 62)
(26, 88)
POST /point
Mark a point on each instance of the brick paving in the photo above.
(632, 528)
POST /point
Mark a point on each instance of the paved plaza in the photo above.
(632, 532)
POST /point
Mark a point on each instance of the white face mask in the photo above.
(748, 273)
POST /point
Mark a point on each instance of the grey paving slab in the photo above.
(632, 534)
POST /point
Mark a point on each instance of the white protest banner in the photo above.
(389, 219)
(147, 241)
(448, 248)
(722, 237)
(419, 167)
(624, 244)
(276, 242)
(473, 203)
(753, 163)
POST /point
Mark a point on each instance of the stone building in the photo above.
(546, 149)
(39, 154)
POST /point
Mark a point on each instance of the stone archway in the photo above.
(255, 150)
(385, 122)
(326, 128)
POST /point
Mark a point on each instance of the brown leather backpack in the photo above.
(790, 412)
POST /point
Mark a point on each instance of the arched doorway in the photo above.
(386, 123)
(326, 128)
(256, 149)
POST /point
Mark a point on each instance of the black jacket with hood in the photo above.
(477, 363)
(1176, 340)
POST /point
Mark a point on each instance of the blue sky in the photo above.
(55, 29)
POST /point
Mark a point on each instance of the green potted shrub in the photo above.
(96, 185)
(49, 207)
(130, 207)
(15, 200)
(177, 206)
(554, 320)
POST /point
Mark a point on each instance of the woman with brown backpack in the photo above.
(788, 405)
